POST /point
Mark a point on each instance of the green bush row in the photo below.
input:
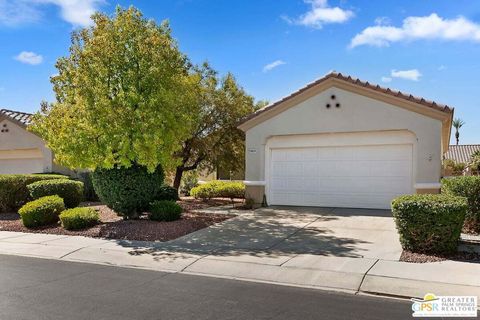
(41, 212)
(429, 223)
(468, 187)
(70, 191)
(13, 189)
(79, 218)
(219, 189)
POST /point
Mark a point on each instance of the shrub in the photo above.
(13, 189)
(164, 210)
(219, 189)
(189, 181)
(468, 187)
(79, 218)
(88, 190)
(453, 167)
(41, 212)
(128, 191)
(70, 191)
(429, 223)
(168, 193)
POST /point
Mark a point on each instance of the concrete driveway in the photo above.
(287, 231)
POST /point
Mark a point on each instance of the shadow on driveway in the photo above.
(288, 231)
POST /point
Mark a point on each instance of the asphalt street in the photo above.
(33, 289)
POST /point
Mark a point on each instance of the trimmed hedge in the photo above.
(429, 223)
(41, 212)
(79, 218)
(219, 189)
(70, 191)
(168, 193)
(13, 189)
(164, 210)
(468, 187)
(128, 191)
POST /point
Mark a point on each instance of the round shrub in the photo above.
(79, 218)
(168, 193)
(219, 189)
(41, 212)
(128, 191)
(164, 210)
(13, 189)
(429, 223)
(70, 191)
(468, 187)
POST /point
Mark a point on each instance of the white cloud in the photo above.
(29, 58)
(412, 74)
(441, 68)
(273, 65)
(76, 12)
(382, 21)
(419, 28)
(17, 12)
(386, 79)
(319, 14)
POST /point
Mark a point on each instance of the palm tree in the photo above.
(457, 124)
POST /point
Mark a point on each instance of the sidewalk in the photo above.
(351, 274)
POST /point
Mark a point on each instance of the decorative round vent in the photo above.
(332, 97)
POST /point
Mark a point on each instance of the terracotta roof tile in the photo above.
(461, 153)
(22, 118)
(356, 81)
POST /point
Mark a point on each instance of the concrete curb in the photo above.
(346, 274)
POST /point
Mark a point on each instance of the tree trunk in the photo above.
(457, 136)
(178, 177)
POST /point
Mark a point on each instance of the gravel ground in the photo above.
(408, 256)
(114, 227)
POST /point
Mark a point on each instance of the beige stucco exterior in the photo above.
(23, 152)
(359, 112)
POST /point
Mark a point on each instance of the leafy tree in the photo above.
(475, 162)
(457, 124)
(214, 140)
(122, 96)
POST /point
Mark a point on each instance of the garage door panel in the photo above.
(351, 176)
(21, 166)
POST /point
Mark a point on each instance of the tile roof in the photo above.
(358, 82)
(461, 153)
(21, 118)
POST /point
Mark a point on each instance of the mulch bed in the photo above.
(114, 227)
(408, 256)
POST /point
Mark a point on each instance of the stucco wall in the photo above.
(22, 151)
(356, 113)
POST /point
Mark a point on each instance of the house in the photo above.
(461, 153)
(22, 151)
(343, 142)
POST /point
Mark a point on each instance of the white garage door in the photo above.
(10, 166)
(346, 176)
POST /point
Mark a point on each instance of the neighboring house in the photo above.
(342, 142)
(461, 153)
(22, 151)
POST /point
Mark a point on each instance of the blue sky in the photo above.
(429, 48)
